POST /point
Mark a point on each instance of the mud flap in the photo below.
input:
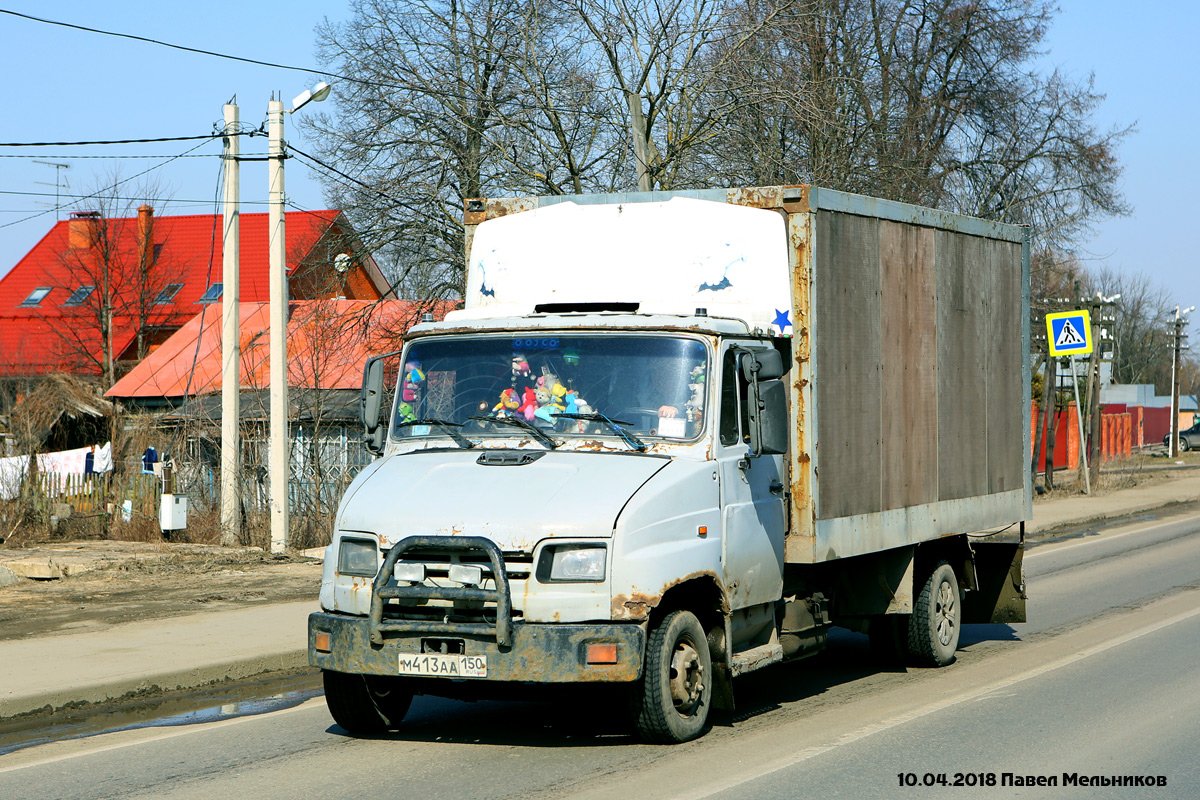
(999, 595)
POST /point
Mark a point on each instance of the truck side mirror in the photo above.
(771, 426)
(767, 401)
(372, 394)
(763, 365)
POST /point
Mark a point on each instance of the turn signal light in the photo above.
(323, 642)
(602, 654)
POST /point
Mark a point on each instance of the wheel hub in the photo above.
(687, 677)
(944, 613)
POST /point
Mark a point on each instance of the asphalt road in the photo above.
(1103, 681)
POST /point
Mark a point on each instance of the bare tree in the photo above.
(933, 102)
(116, 276)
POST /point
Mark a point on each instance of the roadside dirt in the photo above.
(109, 582)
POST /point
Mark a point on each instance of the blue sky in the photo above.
(67, 85)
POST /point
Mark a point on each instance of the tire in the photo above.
(888, 637)
(935, 624)
(672, 702)
(1184, 444)
(366, 704)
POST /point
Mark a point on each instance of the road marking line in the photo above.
(163, 733)
(917, 713)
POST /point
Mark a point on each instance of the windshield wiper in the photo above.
(630, 439)
(448, 427)
(519, 423)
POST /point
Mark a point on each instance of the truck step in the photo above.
(756, 658)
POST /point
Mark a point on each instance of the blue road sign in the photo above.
(1069, 333)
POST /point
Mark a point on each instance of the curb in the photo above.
(52, 701)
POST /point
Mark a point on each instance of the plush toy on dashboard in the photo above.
(548, 403)
(695, 404)
(413, 378)
(528, 405)
(405, 413)
(520, 367)
(510, 401)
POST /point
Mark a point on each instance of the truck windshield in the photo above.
(657, 384)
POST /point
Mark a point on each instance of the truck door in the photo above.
(752, 499)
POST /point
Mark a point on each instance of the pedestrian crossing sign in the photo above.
(1069, 333)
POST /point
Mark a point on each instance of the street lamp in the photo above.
(278, 311)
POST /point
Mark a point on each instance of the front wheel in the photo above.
(366, 704)
(672, 702)
(1184, 444)
(936, 620)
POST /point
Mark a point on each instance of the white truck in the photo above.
(671, 439)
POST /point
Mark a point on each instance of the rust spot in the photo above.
(637, 605)
(634, 606)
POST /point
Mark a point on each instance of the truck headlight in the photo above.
(358, 557)
(571, 563)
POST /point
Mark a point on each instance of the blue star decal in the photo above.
(781, 319)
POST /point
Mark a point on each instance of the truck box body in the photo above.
(909, 337)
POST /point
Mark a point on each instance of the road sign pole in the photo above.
(1087, 481)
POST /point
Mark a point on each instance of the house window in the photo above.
(37, 296)
(79, 295)
(167, 295)
(212, 295)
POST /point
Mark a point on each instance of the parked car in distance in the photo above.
(1188, 438)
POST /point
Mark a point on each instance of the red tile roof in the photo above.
(328, 341)
(190, 252)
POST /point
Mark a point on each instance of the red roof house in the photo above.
(328, 342)
(157, 273)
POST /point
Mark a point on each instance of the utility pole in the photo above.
(1178, 337)
(1051, 398)
(277, 283)
(1094, 418)
(231, 468)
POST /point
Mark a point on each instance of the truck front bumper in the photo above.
(539, 653)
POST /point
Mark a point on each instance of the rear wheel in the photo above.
(936, 620)
(366, 704)
(672, 702)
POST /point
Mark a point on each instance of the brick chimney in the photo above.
(81, 229)
(145, 235)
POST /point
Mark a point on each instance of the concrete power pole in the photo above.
(231, 501)
(278, 315)
(1177, 345)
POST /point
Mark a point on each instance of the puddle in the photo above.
(242, 699)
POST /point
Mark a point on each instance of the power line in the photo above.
(66, 155)
(117, 141)
(352, 179)
(106, 188)
(309, 70)
(153, 41)
(115, 198)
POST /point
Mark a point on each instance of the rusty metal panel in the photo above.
(798, 546)
(962, 365)
(909, 365)
(1005, 422)
(848, 372)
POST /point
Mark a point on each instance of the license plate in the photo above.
(443, 666)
